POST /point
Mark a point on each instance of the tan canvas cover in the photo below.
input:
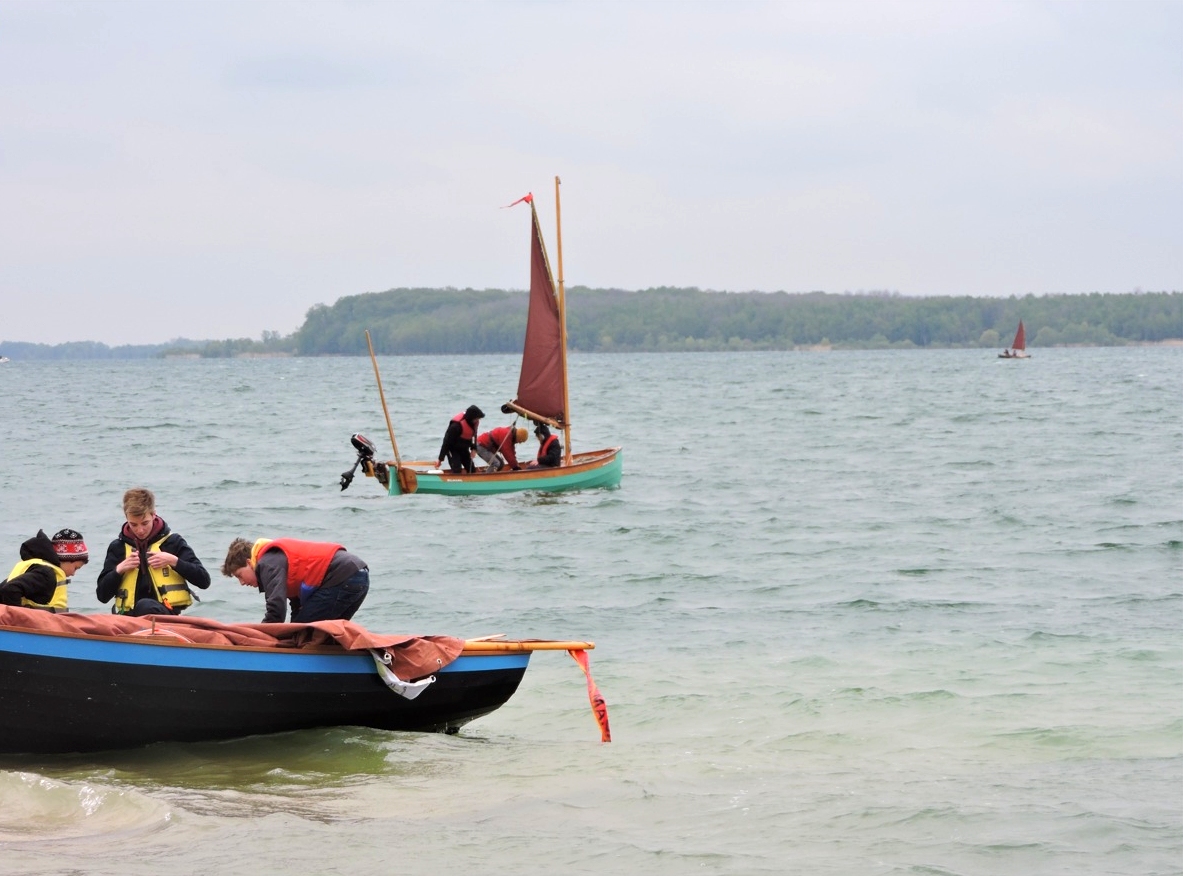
(412, 656)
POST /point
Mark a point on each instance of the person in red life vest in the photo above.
(550, 450)
(459, 445)
(148, 568)
(39, 580)
(319, 580)
(496, 447)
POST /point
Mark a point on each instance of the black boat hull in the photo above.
(62, 694)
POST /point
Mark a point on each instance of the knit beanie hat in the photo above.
(69, 546)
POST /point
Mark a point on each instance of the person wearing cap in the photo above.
(550, 450)
(319, 580)
(459, 445)
(496, 447)
(148, 568)
(39, 580)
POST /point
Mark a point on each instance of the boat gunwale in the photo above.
(582, 461)
(472, 647)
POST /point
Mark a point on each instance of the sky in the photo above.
(214, 170)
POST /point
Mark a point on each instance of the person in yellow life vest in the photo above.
(148, 568)
(320, 580)
(39, 580)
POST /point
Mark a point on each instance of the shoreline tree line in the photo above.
(468, 321)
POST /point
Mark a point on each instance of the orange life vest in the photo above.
(550, 439)
(466, 430)
(307, 560)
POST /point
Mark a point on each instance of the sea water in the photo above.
(856, 613)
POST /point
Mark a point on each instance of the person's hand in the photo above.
(131, 561)
(160, 559)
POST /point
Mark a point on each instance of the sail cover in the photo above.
(540, 386)
(1020, 338)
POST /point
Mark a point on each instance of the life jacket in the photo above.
(58, 601)
(167, 584)
(496, 439)
(550, 439)
(307, 561)
(466, 430)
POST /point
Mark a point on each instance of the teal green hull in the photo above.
(597, 470)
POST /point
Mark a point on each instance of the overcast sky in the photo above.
(212, 170)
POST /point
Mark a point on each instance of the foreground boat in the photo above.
(1018, 348)
(542, 397)
(77, 683)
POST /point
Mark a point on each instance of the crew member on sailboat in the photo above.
(459, 445)
(550, 449)
(496, 447)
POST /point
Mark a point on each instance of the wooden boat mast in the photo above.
(382, 395)
(563, 329)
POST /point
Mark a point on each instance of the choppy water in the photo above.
(857, 613)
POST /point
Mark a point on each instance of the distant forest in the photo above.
(463, 321)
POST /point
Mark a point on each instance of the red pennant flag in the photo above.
(528, 198)
(599, 707)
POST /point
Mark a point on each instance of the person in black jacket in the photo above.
(39, 580)
(459, 445)
(550, 450)
(148, 568)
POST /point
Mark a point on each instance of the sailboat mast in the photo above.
(563, 329)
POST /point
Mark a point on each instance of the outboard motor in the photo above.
(365, 458)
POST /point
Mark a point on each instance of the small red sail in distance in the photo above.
(1020, 338)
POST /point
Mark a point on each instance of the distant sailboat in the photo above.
(1018, 348)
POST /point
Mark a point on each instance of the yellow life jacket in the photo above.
(170, 588)
(58, 601)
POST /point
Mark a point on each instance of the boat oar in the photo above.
(405, 483)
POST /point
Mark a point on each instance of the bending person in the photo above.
(459, 445)
(319, 580)
(496, 447)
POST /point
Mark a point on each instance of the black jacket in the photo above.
(188, 566)
(38, 583)
(454, 441)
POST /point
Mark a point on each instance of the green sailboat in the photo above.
(542, 397)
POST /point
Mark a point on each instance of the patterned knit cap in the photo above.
(68, 545)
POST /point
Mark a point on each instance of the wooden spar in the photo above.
(394, 444)
(563, 329)
(479, 645)
(530, 415)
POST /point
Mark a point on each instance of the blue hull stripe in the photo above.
(188, 657)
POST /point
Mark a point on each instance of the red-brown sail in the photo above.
(1020, 338)
(540, 386)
